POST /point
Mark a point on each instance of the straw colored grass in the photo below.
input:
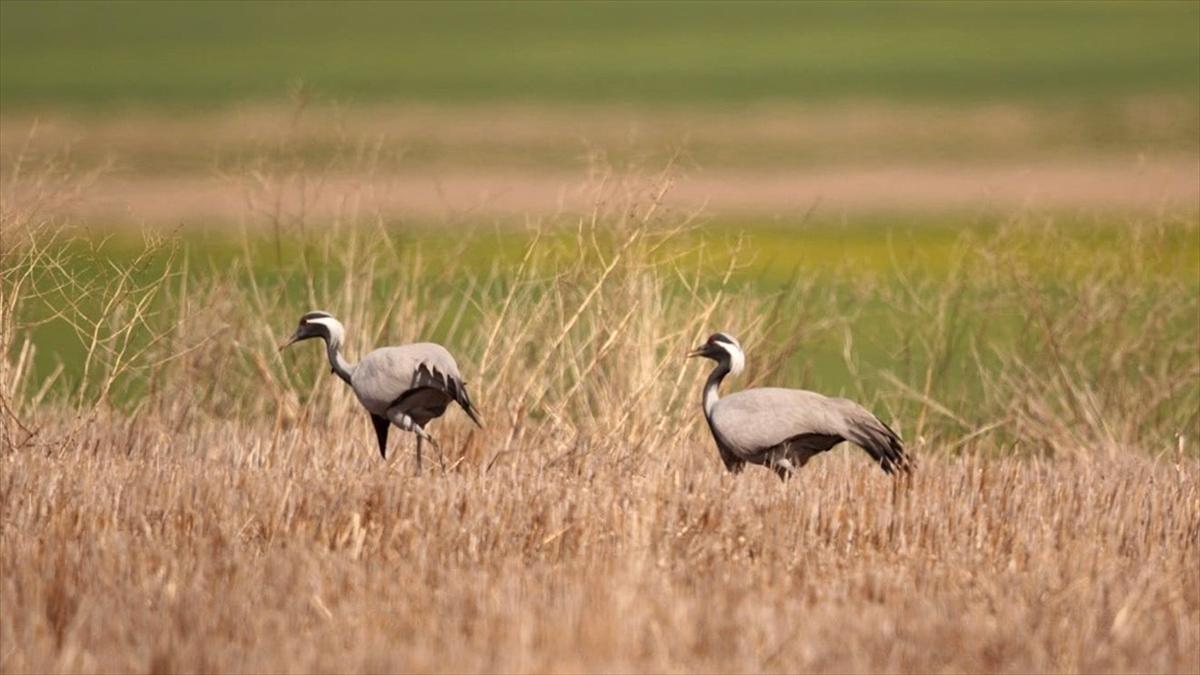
(147, 551)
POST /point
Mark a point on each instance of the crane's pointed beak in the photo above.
(295, 336)
(698, 351)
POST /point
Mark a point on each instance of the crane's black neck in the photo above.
(711, 395)
(341, 367)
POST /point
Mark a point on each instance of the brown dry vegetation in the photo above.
(230, 549)
(514, 161)
(771, 135)
(234, 515)
(1091, 186)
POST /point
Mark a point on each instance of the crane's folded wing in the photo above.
(385, 375)
(756, 420)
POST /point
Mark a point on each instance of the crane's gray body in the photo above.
(405, 386)
(783, 428)
(767, 425)
(419, 380)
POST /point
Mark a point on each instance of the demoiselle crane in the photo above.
(782, 429)
(407, 386)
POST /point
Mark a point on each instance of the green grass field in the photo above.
(871, 292)
(92, 55)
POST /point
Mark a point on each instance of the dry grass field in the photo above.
(191, 500)
(227, 549)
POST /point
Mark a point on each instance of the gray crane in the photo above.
(783, 428)
(406, 386)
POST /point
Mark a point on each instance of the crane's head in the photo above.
(722, 348)
(317, 324)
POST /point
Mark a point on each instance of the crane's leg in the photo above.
(405, 422)
(424, 435)
(784, 469)
(441, 455)
(421, 438)
(419, 441)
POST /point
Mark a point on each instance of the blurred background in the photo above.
(773, 113)
(854, 139)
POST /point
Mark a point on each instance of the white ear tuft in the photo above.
(336, 331)
(737, 360)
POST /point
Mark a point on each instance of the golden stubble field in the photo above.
(226, 549)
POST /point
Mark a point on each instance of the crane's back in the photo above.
(753, 420)
(386, 373)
